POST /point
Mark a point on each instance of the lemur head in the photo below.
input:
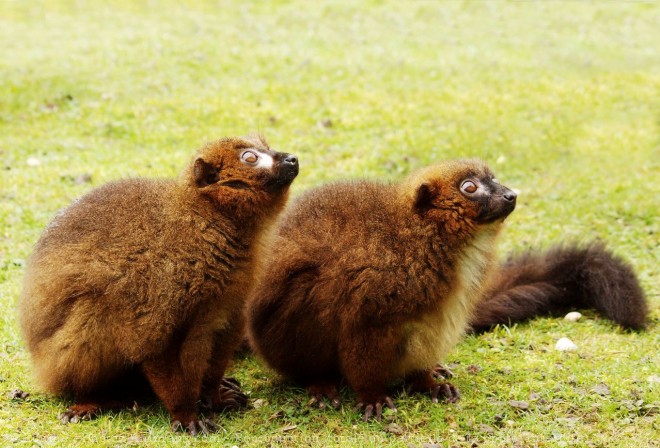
(461, 190)
(243, 171)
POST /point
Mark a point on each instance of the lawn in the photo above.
(561, 98)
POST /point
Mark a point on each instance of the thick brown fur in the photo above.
(374, 283)
(561, 279)
(146, 279)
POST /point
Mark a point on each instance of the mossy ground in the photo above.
(561, 98)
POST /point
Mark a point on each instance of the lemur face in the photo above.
(495, 201)
(463, 190)
(244, 164)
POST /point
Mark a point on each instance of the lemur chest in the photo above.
(427, 340)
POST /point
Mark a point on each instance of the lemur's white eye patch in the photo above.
(257, 159)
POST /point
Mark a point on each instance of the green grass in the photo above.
(561, 98)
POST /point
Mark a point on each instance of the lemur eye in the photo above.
(469, 187)
(249, 157)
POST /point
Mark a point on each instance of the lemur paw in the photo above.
(444, 390)
(374, 408)
(195, 427)
(441, 372)
(318, 392)
(228, 397)
(79, 412)
(425, 382)
(231, 398)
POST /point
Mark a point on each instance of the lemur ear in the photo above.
(204, 173)
(423, 198)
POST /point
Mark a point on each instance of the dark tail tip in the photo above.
(562, 279)
(609, 285)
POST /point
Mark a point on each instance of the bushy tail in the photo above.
(562, 279)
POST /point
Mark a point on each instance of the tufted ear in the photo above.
(204, 173)
(423, 198)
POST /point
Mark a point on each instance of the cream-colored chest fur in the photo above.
(429, 339)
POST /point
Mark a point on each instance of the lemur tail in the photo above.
(561, 279)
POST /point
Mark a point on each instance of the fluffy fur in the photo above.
(145, 280)
(561, 279)
(375, 283)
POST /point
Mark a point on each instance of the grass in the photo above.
(561, 98)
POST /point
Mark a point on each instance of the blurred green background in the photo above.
(561, 98)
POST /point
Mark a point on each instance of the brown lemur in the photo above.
(143, 281)
(376, 282)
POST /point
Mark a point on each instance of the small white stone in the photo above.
(565, 345)
(259, 403)
(33, 161)
(573, 316)
(653, 379)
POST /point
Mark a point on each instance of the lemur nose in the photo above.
(291, 160)
(510, 196)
